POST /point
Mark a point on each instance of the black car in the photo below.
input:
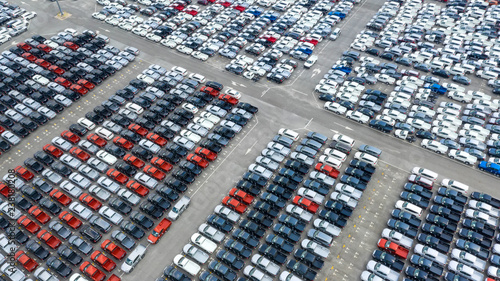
(59, 266)
(230, 259)
(388, 260)
(159, 201)
(483, 197)
(37, 249)
(238, 248)
(176, 184)
(142, 153)
(417, 274)
(126, 168)
(69, 255)
(292, 222)
(442, 222)
(445, 212)
(120, 206)
(4, 146)
(219, 223)
(437, 232)
(132, 229)
(425, 135)
(272, 253)
(473, 248)
(42, 185)
(127, 242)
(475, 237)
(152, 210)
(50, 206)
(183, 175)
(308, 258)
(248, 107)
(167, 192)
(31, 193)
(174, 274)
(246, 238)
(301, 270)
(338, 208)
(142, 220)
(252, 228)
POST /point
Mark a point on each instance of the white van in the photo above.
(486, 74)
(453, 184)
(134, 258)
(409, 207)
(366, 157)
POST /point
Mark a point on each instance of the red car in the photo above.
(225, 3)
(92, 272)
(138, 129)
(49, 239)
(79, 153)
(162, 164)
(206, 153)
(234, 204)
(28, 224)
(122, 142)
(156, 139)
(26, 47)
(69, 136)
(154, 172)
(327, 170)
(138, 188)
(239, 8)
(60, 197)
(420, 180)
(39, 215)
(306, 204)
(114, 278)
(191, 12)
(63, 82)
(97, 140)
(110, 247)
(241, 195)
(193, 158)
(43, 63)
(28, 263)
(29, 56)
(56, 69)
(2, 129)
(52, 150)
(177, 6)
(79, 89)
(71, 45)
(159, 230)
(5, 190)
(90, 201)
(103, 261)
(70, 220)
(44, 48)
(117, 176)
(86, 84)
(392, 248)
(209, 90)
(134, 161)
(24, 173)
(309, 40)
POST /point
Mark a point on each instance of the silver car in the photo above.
(212, 233)
(267, 163)
(146, 180)
(275, 156)
(108, 184)
(216, 110)
(88, 146)
(110, 215)
(11, 138)
(97, 164)
(112, 126)
(79, 180)
(72, 189)
(80, 210)
(197, 129)
(52, 176)
(47, 112)
(196, 253)
(42, 274)
(184, 142)
(63, 100)
(231, 126)
(128, 196)
(70, 161)
(150, 146)
(62, 143)
(261, 171)
(281, 149)
(227, 213)
(99, 192)
(89, 172)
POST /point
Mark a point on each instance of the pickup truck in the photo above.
(472, 248)
(382, 270)
(397, 237)
(484, 207)
(342, 198)
(393, 248)
(12, 272)
(465, 270)
(388, 259)
(445, 212)
(327, 227)
(195, 253)
(338, 208)
(265, 264)
(427, 265)
(475, 237)
(431, 253)
(402, 227)
(434, 242)
(442, 222)
(309, 258)
(315, 248)
(406, 217)
(437, 231)
(468, 259)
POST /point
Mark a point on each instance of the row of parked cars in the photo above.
(14, 20)
(262, 204)
(41, 77)
(74, 162)
(466, 133)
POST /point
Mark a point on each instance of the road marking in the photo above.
(249, 149)
(297, 91)
(316, 71)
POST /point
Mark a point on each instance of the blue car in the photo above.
(305, 50)
(461, 79)
(343, 69)
(489, 167)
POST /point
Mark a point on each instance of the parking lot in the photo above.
(292, 105)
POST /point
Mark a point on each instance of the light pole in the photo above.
(60, 10)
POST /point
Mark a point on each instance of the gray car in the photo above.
(70, 161)
(108, 184)
(52, 176)
(47, 112)
(197, 129)
(150, 146)
(102, 225)
(171, 125)
(12, 114)
(88, 146)
(216, 110)
(80, 210)
(79, 180)
(61, 143)
(212, 233)
(261, 171)
(184, 142)
(196, 253)
(267, 163)
(146, 180)
(281, 149)
(97, 164)
(128, 196)
(273, 155)
(320, 237)
(231, 126)
(99, 192)
(112, 126)
(64, 101)
(302, 158)
(72, 189)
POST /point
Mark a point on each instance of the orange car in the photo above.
(70, 45)
(49, 239)
(69, 136)
(39, 215)
(103, 261)
(25, 46)
(29, 56)
(44, 48)
(241, 195)
(5, 190)
(90, 201)
(70, 220)
(63, 82)
(162, 164)
(88, 85)
(138, 129)
(122, 142)
(60, 197)
(91, 271)
(138, 188)
(327, 170)
(43, 63)
(28, 263)
(79, 153)
(24, 173)
(28, 224)
(206, 153)
(159, 230)
(117, 176)
(97, 140)
(154, 172)
(306, 204)
(79, 89)
(56, 69)
(209, 90)
(134, 161)
(195, 159)
(229, 99)
(110, 247)
(156, 139)
(52, 150)
(234, 204)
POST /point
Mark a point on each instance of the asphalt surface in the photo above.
(292, 105)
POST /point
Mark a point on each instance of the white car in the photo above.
(203, 122)
(445, 124)
(137, 109)
(325, 89)
(453, 87)
(484, 207)
(462, 156)
(187, 265)
(111, 215)
(418, 124)
(348, 190)
(386, 119)
(435, 146)
(481, 216)
(80, 210)
(183, 49)
(311, 195)
(203, 242)
(169, 43)
(106, 157)
(384, 78)
(459, 96)
(199, 55)
(197, 77)
(427, 111)
(191, 136)
(394, 114)
(445, 133)
(335, 107)
(98, 16)
(232, 92)
(299, 212)
(465, 270)
(449, 118)
(358, 116)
